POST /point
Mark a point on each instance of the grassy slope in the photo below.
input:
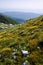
(26, 36)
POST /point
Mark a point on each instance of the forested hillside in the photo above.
(7, 20)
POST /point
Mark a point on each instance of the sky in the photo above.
(35, 6)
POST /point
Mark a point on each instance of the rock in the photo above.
(25, 63)
(14, 57)
(24, 52)
(38, 47)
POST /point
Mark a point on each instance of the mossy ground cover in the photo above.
(27, 36)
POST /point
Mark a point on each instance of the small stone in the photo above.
(25, 52)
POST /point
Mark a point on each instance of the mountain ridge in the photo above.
(21, 15)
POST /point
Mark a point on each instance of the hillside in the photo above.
(23, 43)
(7, 20)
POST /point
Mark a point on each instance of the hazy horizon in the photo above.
(34, 6)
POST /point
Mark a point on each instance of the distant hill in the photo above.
(22, 43)
(7, 20)
(19, 20)
(21, 16)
